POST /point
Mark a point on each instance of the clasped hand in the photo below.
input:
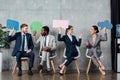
(46, 48)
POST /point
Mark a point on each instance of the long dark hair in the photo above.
(69, 27)
(95, 28)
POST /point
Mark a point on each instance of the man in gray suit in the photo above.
(47, 47)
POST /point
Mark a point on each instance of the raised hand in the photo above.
(105, 30)
(11, 31)
(59, 29)
(80, 36)
(34, 33)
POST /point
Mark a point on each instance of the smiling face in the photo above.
(43, 32)
(70, 31)
(24, 28)
(92, 31)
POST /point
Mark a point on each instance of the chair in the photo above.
(51, 62)
(89, 63)
(23, 59)
(75, 61)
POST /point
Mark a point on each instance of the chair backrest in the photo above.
(74, 57)
(90, 56)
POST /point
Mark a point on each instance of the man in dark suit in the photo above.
(23, 47)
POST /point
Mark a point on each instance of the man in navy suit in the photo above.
(23, 47)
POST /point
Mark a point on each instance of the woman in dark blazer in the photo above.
(93, 46)
(70, 43)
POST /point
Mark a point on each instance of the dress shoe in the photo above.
(59, 67)
(49, 72)
(30, 72)
(61, 73)
(20, 73)
(40, 67)
(101, 71)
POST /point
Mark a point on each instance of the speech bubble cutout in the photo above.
(36, 26)
(106, 24)
(60, 23)
(12, 24)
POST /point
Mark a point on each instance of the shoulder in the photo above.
(89, 36)
(18, 33)
(28, 34)
(64, 35)
(51, 36)
(73, 36)
(98, 35)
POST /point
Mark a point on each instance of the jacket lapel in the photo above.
(69, 38)
(20, 38)
(27, 37)
(97, 39)
(91, 40)
(48, 40)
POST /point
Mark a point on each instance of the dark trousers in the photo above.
(69, 60)
(24, 54)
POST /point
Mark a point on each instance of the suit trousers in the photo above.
(45, 57)
(94, 57)
(69, 60)
(24, 54)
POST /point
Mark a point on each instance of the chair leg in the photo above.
(26, 64)
(77, 66)
(53, 66)
(14, 68)
(40, 71)
(65, 70)
(88, 67)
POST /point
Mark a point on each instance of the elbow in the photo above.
(8, 40)
(59, 39)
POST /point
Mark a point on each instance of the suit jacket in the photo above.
(51, 43)
(18, 41)
(70, 45)
(96, 47)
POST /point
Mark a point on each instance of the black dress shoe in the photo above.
(30, 72)
(20, 73)
(59, 67)
(49, 72)
(40, 67)
(60, 73)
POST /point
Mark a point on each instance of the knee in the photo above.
(18, 55)
(31, 55)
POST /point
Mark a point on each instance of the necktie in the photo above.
(23, 42)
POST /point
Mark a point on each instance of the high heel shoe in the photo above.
(61, 73)
(101, 71)
(59, 67)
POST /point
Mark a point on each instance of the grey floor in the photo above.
(7, 75)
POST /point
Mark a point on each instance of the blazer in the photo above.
(96, 47)
(70, 45)
(18, 41)
(51, 43)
